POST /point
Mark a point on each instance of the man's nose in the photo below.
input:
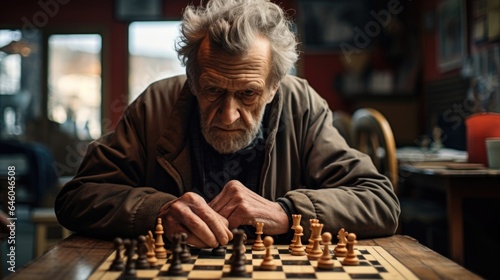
(229, 110)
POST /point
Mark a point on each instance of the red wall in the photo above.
(431, 71)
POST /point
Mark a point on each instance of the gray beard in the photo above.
(231, 143)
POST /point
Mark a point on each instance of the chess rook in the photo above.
(238, 257)
(316, 251)
(258, 244)
(296, 221)
(310, 243)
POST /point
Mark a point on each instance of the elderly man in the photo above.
(233, 142)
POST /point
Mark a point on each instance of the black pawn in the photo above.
(118, 264)
(219, 251)
(130, 265)
(185, 253)
(176, 263)
(142, 259)
(238, 257)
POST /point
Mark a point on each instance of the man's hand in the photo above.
(241, 206)
(192, 215)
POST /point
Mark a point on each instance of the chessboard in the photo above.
(374, 263)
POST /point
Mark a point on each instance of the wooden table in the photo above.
(76, 257)
(458, 185)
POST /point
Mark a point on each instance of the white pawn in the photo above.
(351, 258)
(298, 248)
(326, 261)
(268, 261)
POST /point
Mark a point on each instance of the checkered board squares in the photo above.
(374, 263)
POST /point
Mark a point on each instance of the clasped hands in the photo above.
(210, 224)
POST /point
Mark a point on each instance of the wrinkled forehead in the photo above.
(254, 64)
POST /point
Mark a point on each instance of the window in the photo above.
(20, 94)
(74, 82)
(152, 54)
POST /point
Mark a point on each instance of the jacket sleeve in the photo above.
(340, 186)
(107, 197)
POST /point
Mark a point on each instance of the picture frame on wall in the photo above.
(451, 34)
(136, 10)
(328, 25)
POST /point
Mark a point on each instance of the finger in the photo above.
(217, 225)
(226, 197)
(217, 202)
(185, 212)
(206, 219)
(228, 231)
(192, 239)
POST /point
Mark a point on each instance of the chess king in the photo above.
(235, 141)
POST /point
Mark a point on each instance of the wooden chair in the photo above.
(373, 136)
(342, 122)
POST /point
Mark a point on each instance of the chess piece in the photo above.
(340, 250)
(160, 251)
(351, 258)
(175, 267)
(437, 133)
(150, 244)
(130, 264)
(296, 221)
(219, 251)
(268, 261)
(185, 253)
(258, 244)
(326, 261)
(316, 251)
(298, 249)
(142, 261)
(311, 238)
(243, 243)
(238, 257)
(118, 264)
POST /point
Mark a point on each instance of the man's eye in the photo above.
(214, 90)
(248, 93)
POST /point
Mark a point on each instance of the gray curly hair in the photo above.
(232, 26)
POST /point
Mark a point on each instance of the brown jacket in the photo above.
(128, 174)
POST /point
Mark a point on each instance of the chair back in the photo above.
(373, 136)
(342, 121)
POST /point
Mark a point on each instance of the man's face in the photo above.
(232, 93)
